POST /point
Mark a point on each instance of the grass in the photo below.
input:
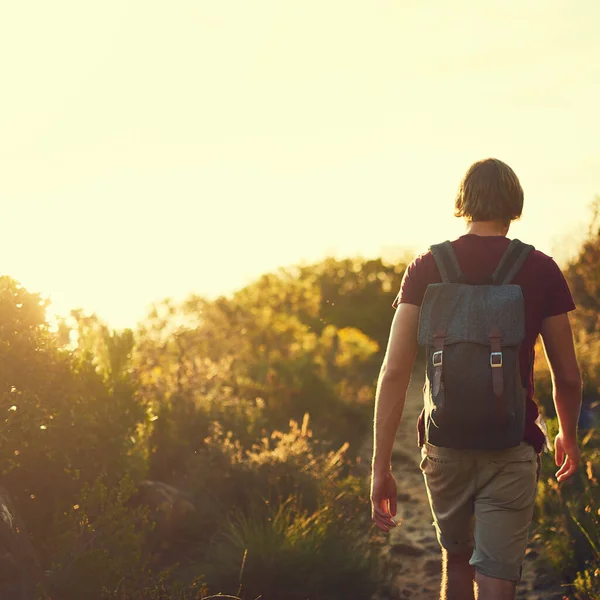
(310, 555)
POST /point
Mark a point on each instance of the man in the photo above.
(481, 500)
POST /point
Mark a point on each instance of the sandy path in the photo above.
(410, 553)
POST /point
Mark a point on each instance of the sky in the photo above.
(154, 149)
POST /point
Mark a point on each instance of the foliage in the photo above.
(65, 425)
(286, 549)
(295, 512)
(222, 380)
(210, 396)
(568, 521)
(584, 276)
(568, 516)
(98, 543)
(355, 293)
(250, 363)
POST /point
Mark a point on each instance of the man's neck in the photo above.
(487, 228)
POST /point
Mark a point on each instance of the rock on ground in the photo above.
(19, 568)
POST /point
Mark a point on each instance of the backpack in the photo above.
(472, 332)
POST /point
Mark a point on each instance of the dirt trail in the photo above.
(410, 553)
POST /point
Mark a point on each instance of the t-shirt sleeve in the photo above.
(558, 298)
(414, 284)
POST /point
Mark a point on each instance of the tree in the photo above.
(66, 423)
(584, 275)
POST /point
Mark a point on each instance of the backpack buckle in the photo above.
(496, 360)
(438, 358)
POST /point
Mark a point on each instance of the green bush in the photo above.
(567, 520)
(285, 492)
(211, 397)
(66, 423)
(98, 544)
(282, 465)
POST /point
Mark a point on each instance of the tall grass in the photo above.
(567, 524)
(291, 553)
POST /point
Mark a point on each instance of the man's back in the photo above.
(545, 293)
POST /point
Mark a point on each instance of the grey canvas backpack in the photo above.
(472, 332)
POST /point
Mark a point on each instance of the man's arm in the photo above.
(393, 383)
(566, 382)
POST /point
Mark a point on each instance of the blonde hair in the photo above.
(489, 191)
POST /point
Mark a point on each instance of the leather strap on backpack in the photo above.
(447, 263)
(437, 359)
(497, 371)
(511, 262)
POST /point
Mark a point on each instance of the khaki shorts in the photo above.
(482, 501)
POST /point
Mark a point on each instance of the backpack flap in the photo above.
(467, 313)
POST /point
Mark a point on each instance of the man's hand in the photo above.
(383, 500)
(566, 381)
(567, 456)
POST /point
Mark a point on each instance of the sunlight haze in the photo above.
(154, 149)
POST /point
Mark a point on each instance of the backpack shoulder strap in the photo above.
(511, 262)
(446, 262)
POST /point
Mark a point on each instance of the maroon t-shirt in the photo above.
(545, 292)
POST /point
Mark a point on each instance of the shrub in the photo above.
(567, 521)
(200, 397)
(568, 518)
(98, 544)
(294, 554)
